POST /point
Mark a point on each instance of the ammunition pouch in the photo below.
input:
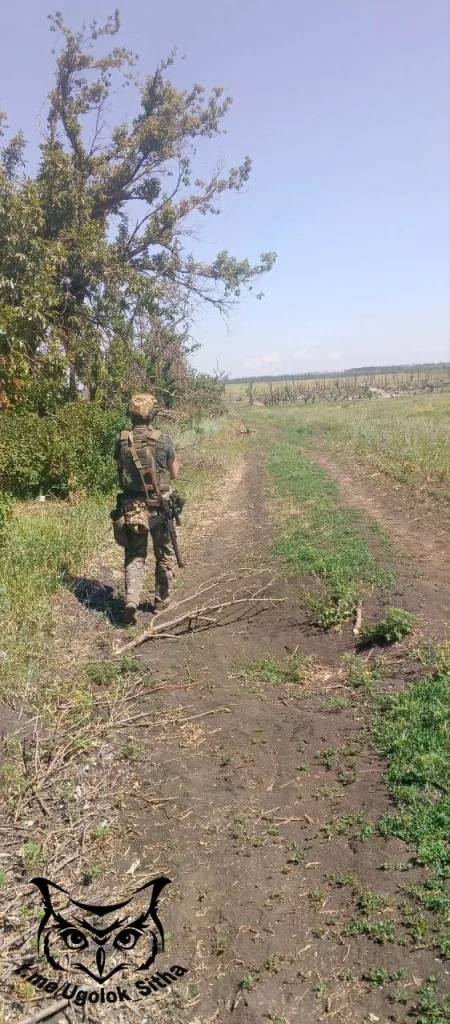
(119, 527)
(136, 516)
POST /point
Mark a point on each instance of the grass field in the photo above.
(407, 438)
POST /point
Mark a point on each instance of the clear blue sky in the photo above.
(344, 107)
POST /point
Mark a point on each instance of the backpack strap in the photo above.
(134, 455)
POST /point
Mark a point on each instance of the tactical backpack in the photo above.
(140, 476)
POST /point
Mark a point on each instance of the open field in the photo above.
(408, 439)
(337, 388)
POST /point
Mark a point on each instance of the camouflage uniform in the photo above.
(148, 442)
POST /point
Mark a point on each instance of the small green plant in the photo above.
(342, 824)
(358, 675)
(130, 750)
(270, 670)
(341, 879)
(394, 627)
(2, 879)
(316, 896)
(347, 778)
(368, 902)
(248, 982)
(31, 854)
(324, 792)
(100, 831)
(273, 963)
(336, 703)
(93, 872)
(379, 931)
(297, 856)
(332, 607)
(320, 988)
(221, 944)
(328, 757)
(376, 976)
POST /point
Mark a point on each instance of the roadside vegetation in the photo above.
(46, 545)
(350, 558)
(316, 536)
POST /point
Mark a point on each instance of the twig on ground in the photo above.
(158, 799)
(358, 619)
(170, 721)
(214, 711)
(47, 1011)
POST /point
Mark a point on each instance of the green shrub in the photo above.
(70, 451)
(394, 627)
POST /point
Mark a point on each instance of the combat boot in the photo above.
(129, 615)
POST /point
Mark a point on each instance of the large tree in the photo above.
(115, 286)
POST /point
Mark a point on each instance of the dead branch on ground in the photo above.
(358, 619)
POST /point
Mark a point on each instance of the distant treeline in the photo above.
(368, 371)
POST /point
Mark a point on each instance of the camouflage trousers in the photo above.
(135, 560)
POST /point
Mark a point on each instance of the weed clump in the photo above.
(269, 669)
(394, 627)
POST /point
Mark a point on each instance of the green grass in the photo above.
(320, 538)
(41, 546)
(269, 669)
(411, 730)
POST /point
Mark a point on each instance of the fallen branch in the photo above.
(214, 711)
(148, 724)
(358, 619)
(158, 799)
(192, 617)
(47, 1011)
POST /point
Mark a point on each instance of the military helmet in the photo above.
(142, 405)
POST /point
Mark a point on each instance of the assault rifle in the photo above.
(168, 514)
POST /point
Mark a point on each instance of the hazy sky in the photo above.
(344, 107)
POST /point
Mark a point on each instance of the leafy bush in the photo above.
(71, 450)
(391, 629)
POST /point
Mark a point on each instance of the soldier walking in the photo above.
(146, 464)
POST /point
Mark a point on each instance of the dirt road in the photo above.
(249, 794)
